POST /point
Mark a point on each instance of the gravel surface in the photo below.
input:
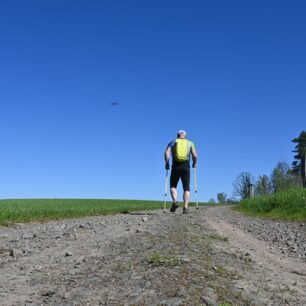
(289, 237)
(208, 257)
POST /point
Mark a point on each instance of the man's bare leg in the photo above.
(174, 198)
(173, 194)
(186, 197)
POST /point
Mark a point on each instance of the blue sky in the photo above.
(231, 73)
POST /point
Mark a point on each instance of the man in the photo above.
(180, 149)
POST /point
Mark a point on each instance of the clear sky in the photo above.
(230, 73)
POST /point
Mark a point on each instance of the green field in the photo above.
(287, 205)
(21, 211)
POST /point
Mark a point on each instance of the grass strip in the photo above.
(288, 205)
(28, 210)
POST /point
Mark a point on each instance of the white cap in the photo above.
(181, 131)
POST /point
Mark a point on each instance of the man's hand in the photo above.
(194, 157)
(167, 166)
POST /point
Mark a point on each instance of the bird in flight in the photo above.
(114, 104)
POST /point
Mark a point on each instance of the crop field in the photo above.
(27, 210)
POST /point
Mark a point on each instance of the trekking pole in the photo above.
(166, 189)
(195, 186)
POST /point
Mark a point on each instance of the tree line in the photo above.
(283, 177)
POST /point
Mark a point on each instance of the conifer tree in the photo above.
(299, 165)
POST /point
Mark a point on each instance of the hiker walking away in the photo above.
(180, 149)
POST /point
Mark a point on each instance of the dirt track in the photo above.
(157, 259)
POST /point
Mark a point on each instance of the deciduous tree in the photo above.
(283, 178)
(221, 196)
(263, 186)
(241, 185)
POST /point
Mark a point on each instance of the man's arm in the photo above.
(194, 156)
(167, 157)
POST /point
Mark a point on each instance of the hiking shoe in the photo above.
(174, 207)
(185, 210)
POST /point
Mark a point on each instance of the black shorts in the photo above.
(180, 171)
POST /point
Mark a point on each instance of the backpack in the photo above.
(181, 150)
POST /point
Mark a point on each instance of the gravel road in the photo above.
(211, 256)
